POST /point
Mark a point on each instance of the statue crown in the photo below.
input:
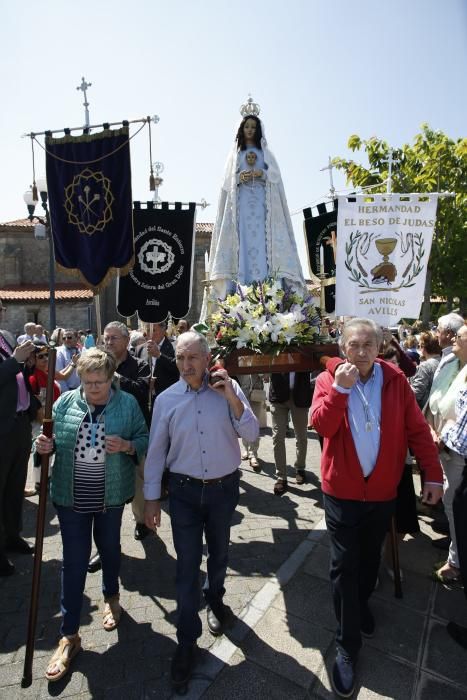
(250, 108)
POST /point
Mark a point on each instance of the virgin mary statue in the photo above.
(253, 236)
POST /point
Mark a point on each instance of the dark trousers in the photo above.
(196, 509)
(77, 532)
(357, 530)
(459, 508)
(14, 457)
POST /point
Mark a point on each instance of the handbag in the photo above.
(257, 395)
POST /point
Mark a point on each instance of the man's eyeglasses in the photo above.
(42, 356)
(98, 384)
(69, 337)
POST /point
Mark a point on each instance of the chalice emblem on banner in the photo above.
(385, 271)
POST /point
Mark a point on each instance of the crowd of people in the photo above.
(142, 414)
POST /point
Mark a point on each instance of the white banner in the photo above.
(383, 247)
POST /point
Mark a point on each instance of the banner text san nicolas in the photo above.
(384, 244)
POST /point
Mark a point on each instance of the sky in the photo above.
(320, 70)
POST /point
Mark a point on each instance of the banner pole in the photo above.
(47, 429)
(97, 301)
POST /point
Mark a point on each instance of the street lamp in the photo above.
(31, 201)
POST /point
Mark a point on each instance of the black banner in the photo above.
(160, 280)
(90, 203)
(320, 233)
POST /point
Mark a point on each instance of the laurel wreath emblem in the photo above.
(356, 250)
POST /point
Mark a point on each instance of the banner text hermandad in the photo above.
(90, 203)
(161, 278)
(384, 244)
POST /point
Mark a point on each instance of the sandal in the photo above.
(63, 656)
(254, 464)
(280, 487)
(112, 613)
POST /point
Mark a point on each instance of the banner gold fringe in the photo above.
(111, 272)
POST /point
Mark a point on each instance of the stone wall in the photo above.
(68, 314)
(24, 261)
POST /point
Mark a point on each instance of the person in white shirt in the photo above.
(29, 330)
(448, 326)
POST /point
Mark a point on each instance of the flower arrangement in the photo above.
(265, 318)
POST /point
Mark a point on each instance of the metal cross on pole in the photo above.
(84, 86)
(330, 167)
(158, 180)
(389, 160)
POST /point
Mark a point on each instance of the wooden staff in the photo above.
(151, 376)
(97, 301)
(395, 559)
(47, 429)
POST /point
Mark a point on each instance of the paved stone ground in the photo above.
(282, 642)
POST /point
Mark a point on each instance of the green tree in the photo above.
(433, 163)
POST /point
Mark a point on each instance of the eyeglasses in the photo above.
(458, 337)
(98, 384)
(69, 337)
(42, 356)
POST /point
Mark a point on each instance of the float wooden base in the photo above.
(305, 358)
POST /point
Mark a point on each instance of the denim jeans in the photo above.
(196, 509)
(77, 532)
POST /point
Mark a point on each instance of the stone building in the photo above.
(25, 291)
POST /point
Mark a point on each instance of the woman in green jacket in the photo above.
(100, 435)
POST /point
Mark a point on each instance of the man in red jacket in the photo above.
(367, 414)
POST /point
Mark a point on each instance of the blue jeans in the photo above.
(196, 509)
(77, 532)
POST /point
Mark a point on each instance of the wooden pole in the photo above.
(47, 429)
(152, 378)
(97, 301)
(395, 559)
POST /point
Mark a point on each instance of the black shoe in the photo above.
(141, 531)
(367, 622)
(182, 665)
(343, 676)
(95, 564)
(19, 545)
(300, 477)
(217, 621)
(6, 567)
(458, 633)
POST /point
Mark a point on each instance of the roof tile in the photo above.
(39, 292)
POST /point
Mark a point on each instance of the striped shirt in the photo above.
(89, 468)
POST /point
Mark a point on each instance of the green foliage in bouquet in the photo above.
(265, 318)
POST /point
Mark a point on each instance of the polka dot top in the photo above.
(89, 471)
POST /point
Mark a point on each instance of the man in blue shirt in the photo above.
(194, 433)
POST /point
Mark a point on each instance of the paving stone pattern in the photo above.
(281, 645)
